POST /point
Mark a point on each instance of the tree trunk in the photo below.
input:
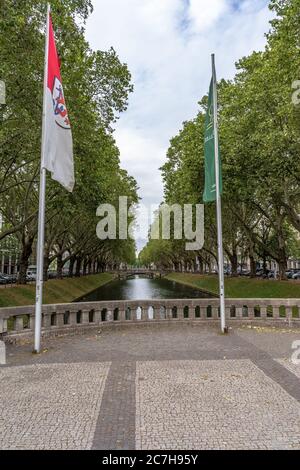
(78, 266)
(201, 265)
(24, 258)
(60, 265)
(89, 267)
(85, 264)
(264, 263)
(234, 264)
(71, 265)
(282, 266)
(46, 267)
(252, 267)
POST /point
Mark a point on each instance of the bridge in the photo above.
(129, 273)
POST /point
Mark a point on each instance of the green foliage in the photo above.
(96, 86)
(260, 147)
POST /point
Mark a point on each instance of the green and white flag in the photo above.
(209, 194)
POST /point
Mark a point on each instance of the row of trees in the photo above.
(260, 149)
(96, 86)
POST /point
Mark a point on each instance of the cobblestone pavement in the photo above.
(213, 404)
(50, 406)
(161, 387)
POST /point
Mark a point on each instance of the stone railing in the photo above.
(78, 317)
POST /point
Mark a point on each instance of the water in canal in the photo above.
(139, 288)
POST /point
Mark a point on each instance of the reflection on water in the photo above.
(140, 288)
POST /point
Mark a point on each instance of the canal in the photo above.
(140, 288)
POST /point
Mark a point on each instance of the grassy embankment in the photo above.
(55, 291)
(241, 287)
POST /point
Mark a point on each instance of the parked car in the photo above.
(272, 274)
(243, 272)
(296, 275)
(52, 274)
(3, 280)
(30, 277)
(261, 273)
(290, 273)
(10, 278)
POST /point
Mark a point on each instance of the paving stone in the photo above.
(50, 406)
(194, 388)
(213, 404)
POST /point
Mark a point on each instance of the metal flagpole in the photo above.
(41, 223)
(218, 200)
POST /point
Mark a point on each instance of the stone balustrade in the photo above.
(78, 317)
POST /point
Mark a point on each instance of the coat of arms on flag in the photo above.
(60, 108)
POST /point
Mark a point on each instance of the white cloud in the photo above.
(203, 14)
(167, 46)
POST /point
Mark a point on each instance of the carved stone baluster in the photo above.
(73, 317)
(251, 313)
(263, 312)
(47, 320)
(215, 312)
(3, 325)
(19, 323)
(109, 315)
(276, 312)
(239, 312)
(59, 319)
(144, 313)
(31, 325)
(85, 317)
(97, 317)
(289, 314)
(122, 315)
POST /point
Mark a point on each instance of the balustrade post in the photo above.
(289, 314)
(46, 320)
(215, 313)
(276, 312)
(122, 315)
(169, 315)
(3, 325)
(263, 312)
(228, 313)
(144, 313)
(251, 313)
(73, 317)
(59, 319)
(180, 313)
(97, 316)
(156, 313)
(109, 316)
(31, 325)
(239, 312)
(19, 323)
(133, 313)
(85, 317)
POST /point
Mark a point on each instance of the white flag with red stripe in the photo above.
(57, 139)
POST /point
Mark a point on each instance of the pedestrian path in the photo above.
(171, 387)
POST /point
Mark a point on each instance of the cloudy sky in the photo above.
(167, 45)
